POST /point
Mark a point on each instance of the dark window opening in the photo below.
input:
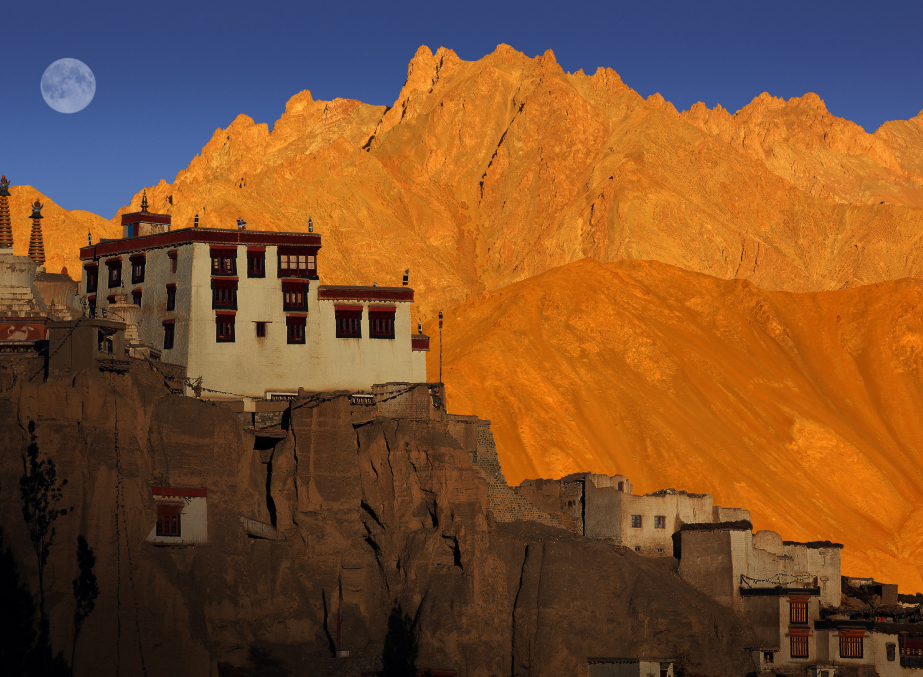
(768, 656)
(136, 296)
(224, 326)
(92, 279)
(890, 650)
(261, 330)
(223, 297)
(173, 256)
(168, 335)
(115, 273)
(348, 324)
(224, 263)
(171, 297)
(168, 523)
(381, 324)
(799, 647)
(256, 264)
(91, 306)
(295, 328)
(137, 269)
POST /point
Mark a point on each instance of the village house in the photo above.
(244, 310)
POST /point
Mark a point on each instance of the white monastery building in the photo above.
(244, 309)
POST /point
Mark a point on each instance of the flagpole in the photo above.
(440, 346)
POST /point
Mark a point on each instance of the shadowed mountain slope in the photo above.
(803, 408)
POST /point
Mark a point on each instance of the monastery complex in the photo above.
(240, 317)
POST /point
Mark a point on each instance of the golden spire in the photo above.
(144, 203)
(36, 244)
(6, 228)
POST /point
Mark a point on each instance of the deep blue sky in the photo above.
(169, 73)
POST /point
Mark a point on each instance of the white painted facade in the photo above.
(251, 365)
(193, 520)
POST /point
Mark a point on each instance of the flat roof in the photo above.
(214, 236)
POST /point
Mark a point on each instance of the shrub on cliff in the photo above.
(399, 657)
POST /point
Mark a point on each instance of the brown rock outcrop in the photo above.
(393, 508)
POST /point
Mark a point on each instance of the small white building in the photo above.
(182, 516)
(244, 310)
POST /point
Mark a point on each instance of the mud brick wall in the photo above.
(505, 504)
(416, 403)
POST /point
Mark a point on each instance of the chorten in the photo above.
(36, 244)
(6, 227)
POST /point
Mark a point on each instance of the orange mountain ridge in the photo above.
(490, 173)
(803, 408)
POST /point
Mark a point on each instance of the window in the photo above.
(850, 646)
(295, 328)
(92, 273)
(660, 522)
(768, 656)
(637, 548)
(349, 319)
(799, 612)
(115, 272)
(110, 299)
(173, 254)
(890, 650)
(294, 295)
(91, 306)
(171, 297)
(261, 330)
(799, 646)
(224, 294)
(168, 334)
(296, 262)
(168, 518)
(256, 262)
(636, 521)
(381, 322)
(224, 328)
(224, 261)
(137, 268)
(136, 296)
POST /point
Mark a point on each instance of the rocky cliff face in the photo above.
(393, 508)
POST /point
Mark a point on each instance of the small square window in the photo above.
(636, 521)
(660, 522)
(768, 656)
(256, 264)
(224, 263)
(295, 328)
(168, 525)
(137, 269)
(261, 330)
(637, 548)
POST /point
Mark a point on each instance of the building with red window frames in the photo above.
(245, 309)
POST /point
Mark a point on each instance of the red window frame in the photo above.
(381, 322)
(168, 519)
(636, 521)
(851, 646)
(256, 261)
(798, 612)
(294, 295)
(224, 294)
(799, 646)
(295, 328)
(348, 321)
(173, 254)
(169, 334)
(224, 261)
(171, 297)
(297, 262)
(224, 327)
(136, 297)
(115, 272)
(92, 272)
(137, 268)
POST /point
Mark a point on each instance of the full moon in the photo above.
(68, 85)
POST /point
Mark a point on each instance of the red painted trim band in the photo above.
(174, 491)
(215, 236)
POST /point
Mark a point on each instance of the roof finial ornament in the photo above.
(406, 277)
(4, 186)
(144, 202)
(310, 225)
(89, 238)
(195, 223)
